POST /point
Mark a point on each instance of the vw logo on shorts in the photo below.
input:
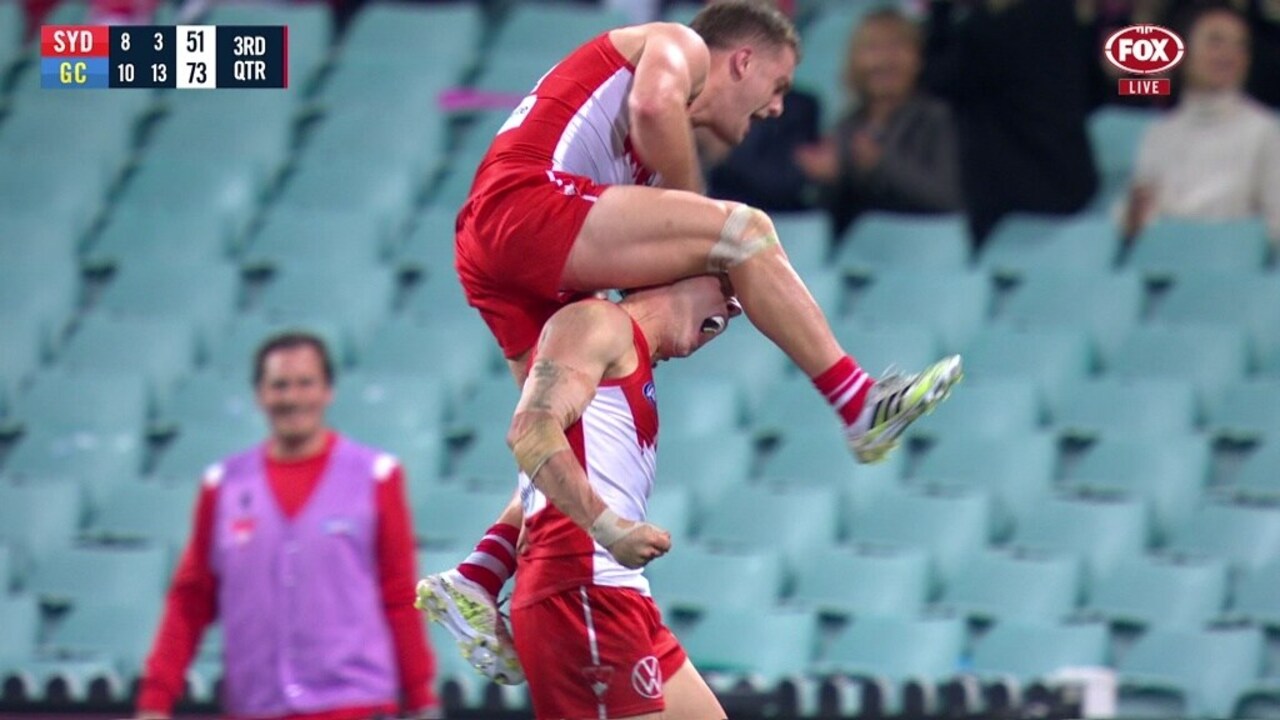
(646, 677)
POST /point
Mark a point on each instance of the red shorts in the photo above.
(514, 236)
(594, 652)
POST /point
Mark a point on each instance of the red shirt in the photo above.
(191, 604)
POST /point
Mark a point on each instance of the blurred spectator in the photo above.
(897, 149)
(302, 548)
(1264, 76)
(1217, 155)
(762, 170)
(1014, 73)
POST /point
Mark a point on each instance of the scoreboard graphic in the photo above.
(196, 57)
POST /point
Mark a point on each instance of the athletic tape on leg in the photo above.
(740, 239)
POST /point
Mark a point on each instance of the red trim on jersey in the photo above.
(191, 604)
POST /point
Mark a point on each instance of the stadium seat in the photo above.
(807, 238)
(985, 409)
(1188, 673)
(231, 348)
(890, 242)
(1169, 593)
(8, 571)
(207, 138)
(1122, 408)
(955, 304)
(100, 462)
(1236, 300)
(670, 507)
(1052, 359)
(213, 400)
(896, 650)
(53, 680)
(43, 284)
(487, 459)
(1170, 473)
(90, 576)
(196, 447)
(1016, 471)
(1172, 247)
(155, 238)
(1256, 597)
(461, 353)
(232, 191)
(404, 403)
(820, 457)
(39, 518)
(1103, 531)
(150, 512)
(84, 402)
(708, 470)
(142, 292)
(1248, 410)
(1104, 305)
(766, 645)
(456, 519)
(11, 40)
(112, 632)
(863, 581)
(1026, 243)
(792, 520)
(19, 628)
(488, 409)
(1115, 134)
(1246, 536)
(1258, 475)
(825, 40)
(1031, 651)
(337, 238)
(354, 300)
(742, 355)
(429, 248)
(948, 522)
(705, 407)
(697, 578)
(389, 33)
(23, 350)
(1209, 356)
(879, 346)
(352, 132)
(1000, 585)
(789, 407)
(385, 194)
(108, 344)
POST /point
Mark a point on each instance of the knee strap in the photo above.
(746, 233)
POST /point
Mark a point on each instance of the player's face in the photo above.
(763, 76)
(1218, 53)
(704, 308)
(294, 394)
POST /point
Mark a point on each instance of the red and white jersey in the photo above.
(616, 442)
(575, 121)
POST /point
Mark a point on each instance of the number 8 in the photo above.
(124, 41)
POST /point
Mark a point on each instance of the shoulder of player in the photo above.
(597, 328)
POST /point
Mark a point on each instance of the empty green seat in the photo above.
(102, 575)
(100, 462)
(216, 400)
(742, 355)
(1103, 531)
(196, 447)
(1162, 592)
(147, 292)
(156, 238)
(1123, 408)
(954, 304)
(399, 140)
(429, 246)
(1052, 359)
(863, 580)
(19, 628)
(879, 346)
(1257, 595)
(454, 518)
(1259, 473)
(1028, 243)
(338, 238)
(1104, 305)
(898, 649)
(670, 507)
(1209, 356)
(708, 470)
(887, 241)
(460, 352)
(1170, 473)
(1240, 300)
(110, 344)
(1188, 673)
(39, 518)
(386, 194)
(230, 190)
(1246, 536)
(23, 350)
(112, 632)
(1016, 585)
(699, 579)
(699, 406)
(793, 520)
(84, 401)
(230, 349)
(352, 300)
(986, 409)
(806, 237)
(763, 644)
(1115, 134)
(156, 513)
(1030, 651)
(1175, 247)
(948, 522)
(439, 298)
(826, 39)
(1246, 410)
(522, 39)
(488, 409)
(392, 33)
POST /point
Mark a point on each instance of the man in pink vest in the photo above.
(303, 551)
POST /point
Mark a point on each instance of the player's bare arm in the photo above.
(580, 346)
(670, 71)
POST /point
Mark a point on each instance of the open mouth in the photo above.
(714, 325)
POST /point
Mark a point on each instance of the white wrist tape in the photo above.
(607, 528)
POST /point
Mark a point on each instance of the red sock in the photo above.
(493, 561)
(845, 386)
